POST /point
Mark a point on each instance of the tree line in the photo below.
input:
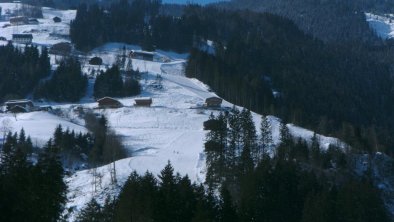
(294, 181)
(274, 191)
(111, 83)
(20, 70)
(31, 189)
(67, 84)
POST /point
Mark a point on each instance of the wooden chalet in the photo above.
(22, 38)
(19, 20)
(108, 102)
(143, 101)
(143, 55)
(18, 109)
(33, 21)
(19, 105)
(61, 48)
(213, 102)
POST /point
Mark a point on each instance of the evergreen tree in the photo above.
(227, 210)
(265, 137)
(286, 142)
(92, 212)
(67, 83)
(53, 188)
(315, 150)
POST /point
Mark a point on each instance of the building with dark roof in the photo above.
(143, 55)
(143, 101)
(19, 20)
(22, 38)
(108, 102)
(213, 102)
(18, 105)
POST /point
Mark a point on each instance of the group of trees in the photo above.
(233, 148)
(20, 70)
(330, 21)
(30, 191)
(122, 21)
(274, 191)
(67, 83)
(292, 185)
(73, 147)
(111, 83)
(145, 198)
(107, 146)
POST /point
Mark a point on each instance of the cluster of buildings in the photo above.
(23, 20)
(109, 102)
(23, 106)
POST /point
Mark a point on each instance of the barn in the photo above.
(108, 102)
(61, 48)
(143, 55)
(22, 38)
(143, 101)
(18, 109)
(19, 105)
(213, 102)
(19, 20)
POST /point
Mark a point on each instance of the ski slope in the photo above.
(170, 130)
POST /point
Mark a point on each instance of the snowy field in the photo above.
(383, 25)
(47, 32)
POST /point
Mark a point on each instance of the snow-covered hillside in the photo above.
(170, 130)
(382, 24)
(47, 32)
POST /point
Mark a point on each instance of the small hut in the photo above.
(19, 105)
(18, 109)
(57, 19)
(108, 102)
(143, 101)
(19, 20)
(142, 55)
(33, 21)
(213, 102)
(61, 48)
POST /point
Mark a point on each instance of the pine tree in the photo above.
(286, 142)
(315, 150)
(167, 195)
(91, 213)
(249, 136)
(53, 187)
(266, 141)
(227, 210)
(215, 148)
